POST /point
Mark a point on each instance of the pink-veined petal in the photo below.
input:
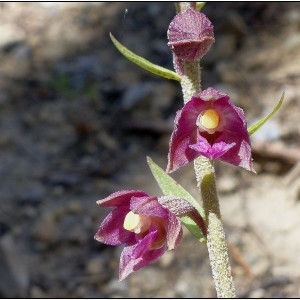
(174, 232)
(235, 132)
(111, 230)
(120, 198)
(240, 155)
(215, 151)
(181, 207)
(139, 255)
(184, 134)
(148, 206)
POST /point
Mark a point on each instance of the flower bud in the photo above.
(190, 35)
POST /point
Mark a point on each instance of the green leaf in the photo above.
(170, 187)
(193, 228)
(254, 127)
(199, 5)
(143, 63)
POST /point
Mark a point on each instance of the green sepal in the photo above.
(254, 127)
(143, 63)
(199, 5)
(170, 187)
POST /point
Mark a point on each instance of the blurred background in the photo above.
(77, 121)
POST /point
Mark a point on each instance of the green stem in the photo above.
(182, 6)
(205, 175)
(216, 242)
(191, 80)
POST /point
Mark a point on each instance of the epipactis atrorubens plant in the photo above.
(209, 127)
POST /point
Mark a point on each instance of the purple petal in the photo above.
(139, 255)
(210, 94)
(184, 134)
(235, 120)
(192, 50)
(111, 230)
(177, 206)
(240, 155)
(181, 207)
(120, 198)
(174, 232)
(189, 25)
(235, 131)
(148, 206)
(217, 150)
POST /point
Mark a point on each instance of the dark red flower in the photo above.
(212, 126)
(141, 223)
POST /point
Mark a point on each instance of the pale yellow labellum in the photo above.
(136, 223)
(210, 119)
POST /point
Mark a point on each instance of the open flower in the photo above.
(212, 126)
(190, 35)
(141, 223)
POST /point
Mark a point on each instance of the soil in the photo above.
(77, 121)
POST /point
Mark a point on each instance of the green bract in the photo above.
(254, 127)
(170, 187)
(199, 5)
(143, 63)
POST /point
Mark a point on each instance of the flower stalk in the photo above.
(216, 242)
(205, 175)
(191, 80)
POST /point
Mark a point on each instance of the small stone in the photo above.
(149, 99)
(33, 195)
(226, 46)
(226, 72)
(292, 42)
(257, 294)
(167, 259)
(75, 207)
(269, 132)
(99, 266)
(182, 287)
(95, 265)
(45, 230)
(37, 292)
(134, 94)
(10, 35)
(227, 184)
(14, 276)
(117, 286)
(5, 140)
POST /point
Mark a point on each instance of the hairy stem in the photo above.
(182, 6)
(190, 80)
(216, 242)
(205, 175)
